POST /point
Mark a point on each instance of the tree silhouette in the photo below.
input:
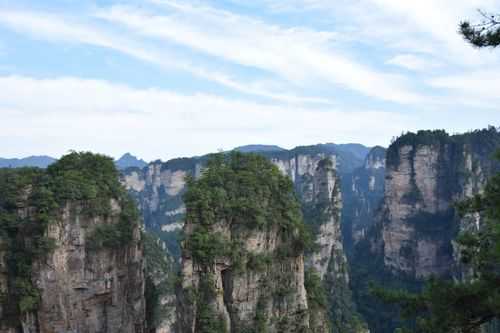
(483, 34)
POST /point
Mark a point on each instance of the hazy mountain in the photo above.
(31, 161)
(258, 148)
(357, 149)
(128, 160)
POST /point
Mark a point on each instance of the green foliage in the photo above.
(206, 246)
(259, 261)
(244, 189)
(316, 294)
(160, 280)
(484, 34)
(480, 140)
(207, 320)
(26, 206)
(421, 138)
(370, 270)
(241, 193)
(116, 235)
(30, 199)
(261, 316)
(86, 177)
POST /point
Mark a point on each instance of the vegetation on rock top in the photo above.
(32, 198)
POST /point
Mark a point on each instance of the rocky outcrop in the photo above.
(322, 204)
(83, 289)
(274, 298)
(413, 231)
(159, 187)
(426, 174)
(243, 272)
(71, 251)
(87, 289)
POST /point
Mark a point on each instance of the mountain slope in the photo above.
(31, 161)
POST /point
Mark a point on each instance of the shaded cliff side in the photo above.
(413, 237)
(243, 262)
(71, 256)
(363, 191)
(322, 207)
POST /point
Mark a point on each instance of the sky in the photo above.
(168, 78)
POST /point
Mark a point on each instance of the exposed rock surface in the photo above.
(363, 191)
(71, 251)
(160, 186)
(413, 234)
(426, 175)
(243, 272)
(89, 290)
(82, 289)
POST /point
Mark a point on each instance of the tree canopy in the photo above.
(483, 34)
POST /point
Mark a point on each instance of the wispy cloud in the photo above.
(298, 55)
(413, 62)
(481, 86)
(58, 28)
(282, 72)
(72, 113)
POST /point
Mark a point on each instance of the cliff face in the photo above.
(71, 253)
(321, 205)
(363, 191)
(315, 173)
(242, 262)
(272, 296)
(426, 174)
(159, 187)
(83, 289)
(413, 231)
(322, 210)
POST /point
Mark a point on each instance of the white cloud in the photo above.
(52, 116)
(413, 62)
(429, 26)
(302, 56)
(56, 28)
(481, 86)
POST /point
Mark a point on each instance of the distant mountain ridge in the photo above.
(258, 148)
(31, 161)
(130, 161)
(126, 161)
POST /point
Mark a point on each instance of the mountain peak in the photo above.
(128, 160)
(258, 148)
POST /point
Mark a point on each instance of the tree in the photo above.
(484, 34)
(464, 306)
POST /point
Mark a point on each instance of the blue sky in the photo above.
(166, 78)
